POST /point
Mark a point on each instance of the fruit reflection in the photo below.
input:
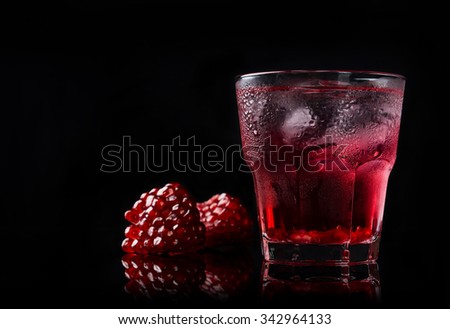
(228, 275)
(195, 277)
(163, 279)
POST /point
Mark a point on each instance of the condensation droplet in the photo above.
(377, 151)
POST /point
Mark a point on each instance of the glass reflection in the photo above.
(320, 286)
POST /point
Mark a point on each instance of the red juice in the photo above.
(320, 158)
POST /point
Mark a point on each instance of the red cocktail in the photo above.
(320, 145)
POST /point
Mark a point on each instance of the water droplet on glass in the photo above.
(377, 151)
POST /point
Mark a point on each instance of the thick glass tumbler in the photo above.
(321, 146)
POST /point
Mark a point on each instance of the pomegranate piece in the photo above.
(164, 220)
(226, 220)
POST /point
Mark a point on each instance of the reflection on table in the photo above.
(236, 279)
(188, 279)
(320, 286)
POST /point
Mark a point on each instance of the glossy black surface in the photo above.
(76, 80)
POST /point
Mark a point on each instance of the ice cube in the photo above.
(296, 123)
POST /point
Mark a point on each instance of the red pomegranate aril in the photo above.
(130, 245)
(132, 217)
(133, 232)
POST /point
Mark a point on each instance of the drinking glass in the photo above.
(320, 146)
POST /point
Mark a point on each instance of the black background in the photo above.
(74, 78)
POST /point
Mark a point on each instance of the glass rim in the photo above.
(319, 71)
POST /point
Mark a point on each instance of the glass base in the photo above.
(321, 253)
(305, 253)
(364, 252)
